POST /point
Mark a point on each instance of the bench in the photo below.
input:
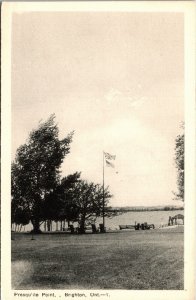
(88, 228)
(91, 228)
(126, 227)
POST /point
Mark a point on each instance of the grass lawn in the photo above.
(122, 260)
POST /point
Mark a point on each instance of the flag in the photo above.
(109, 164)
(109, 156)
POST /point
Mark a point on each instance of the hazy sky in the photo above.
(117, 79)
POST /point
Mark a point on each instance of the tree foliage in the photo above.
(87, 201)
(58, 205)
(38, 191)
(21, 216)
(179, 161)
(36, 169)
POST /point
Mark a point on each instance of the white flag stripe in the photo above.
(109, 156)
(109, 164)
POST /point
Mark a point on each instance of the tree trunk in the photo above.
(36, 225)
(36, 216)
(44, 225)
(82, 225)
(61, 228)
(48, 225)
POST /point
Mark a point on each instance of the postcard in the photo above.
(98, 150)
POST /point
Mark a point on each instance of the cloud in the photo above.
(129, 98)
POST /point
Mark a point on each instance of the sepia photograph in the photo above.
(97, 193)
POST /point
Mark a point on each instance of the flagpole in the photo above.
(103, 197)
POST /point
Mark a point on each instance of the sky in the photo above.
(117, 80)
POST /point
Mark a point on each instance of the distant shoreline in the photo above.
(145, 208)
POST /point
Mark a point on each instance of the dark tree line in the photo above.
(179, 161)
(39, 193)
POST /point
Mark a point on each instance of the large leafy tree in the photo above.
(58, 205)
(86, 200)
(36, 169)
(179, 161)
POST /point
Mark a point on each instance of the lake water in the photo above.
(129, 218)
(151, 217)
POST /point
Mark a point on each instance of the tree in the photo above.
(57, 205)
(20, 217)
(179, 161)
(67, 188)
(36, 169)
(87, 201)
